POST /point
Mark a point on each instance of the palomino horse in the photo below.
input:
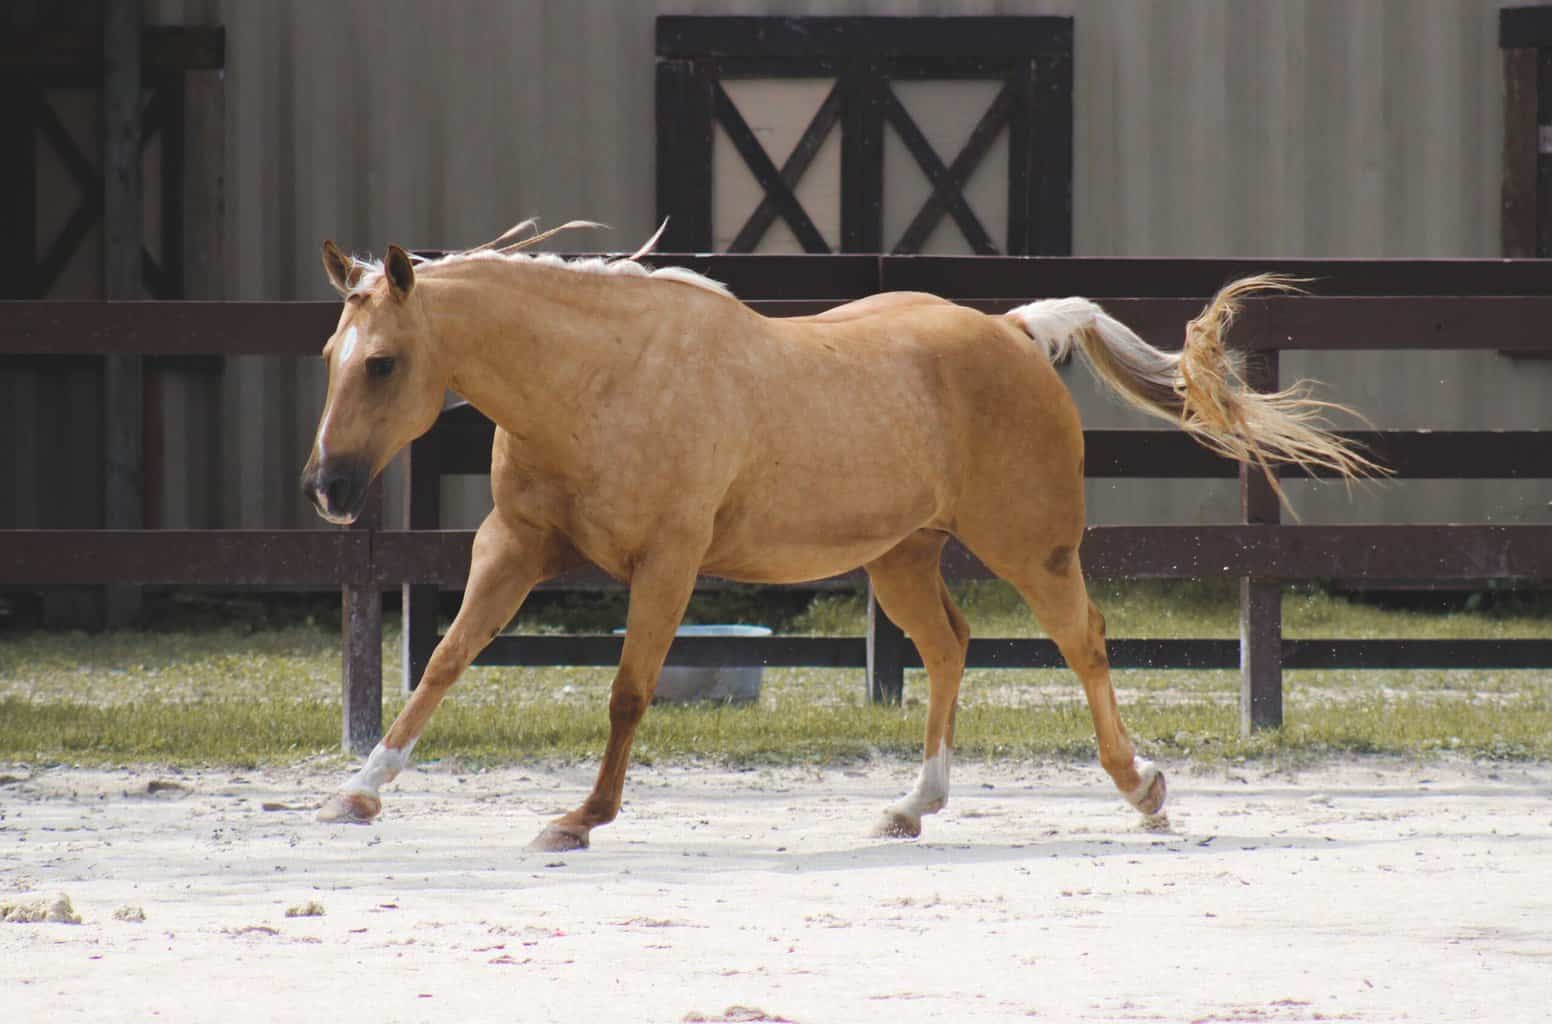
(650, 423)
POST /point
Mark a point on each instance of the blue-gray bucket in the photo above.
(721, 685)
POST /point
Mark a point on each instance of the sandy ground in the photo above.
(1360, 891)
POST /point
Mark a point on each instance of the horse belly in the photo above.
(784, 541)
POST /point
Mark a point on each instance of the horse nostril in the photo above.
(335, 493)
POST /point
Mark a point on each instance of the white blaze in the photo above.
(351, 337)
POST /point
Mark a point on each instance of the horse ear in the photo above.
(343, 271)
(399, 271)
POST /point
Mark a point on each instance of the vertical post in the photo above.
(1050, 230)
(862, 160)
(422, 511)
(1543, 151)
(1260, 601)
(123, 375)
(1520, 154)
(1021, 162)
(684, 131)
(886, 655)
(361, 620)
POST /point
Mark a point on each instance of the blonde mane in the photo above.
(502, 249)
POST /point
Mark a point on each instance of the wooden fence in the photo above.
(1493, 306)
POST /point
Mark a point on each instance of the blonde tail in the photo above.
(1202, 388)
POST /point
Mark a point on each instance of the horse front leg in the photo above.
(660, 589)
(509, 558)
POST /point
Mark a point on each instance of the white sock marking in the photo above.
(1147, 773)
(382, 766)
(931, 790)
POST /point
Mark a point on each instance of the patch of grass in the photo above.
(264, 689)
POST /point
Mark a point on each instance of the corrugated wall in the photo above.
(1203, 128)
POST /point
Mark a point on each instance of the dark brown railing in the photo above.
(1490, 305)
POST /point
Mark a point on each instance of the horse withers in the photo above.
(650, 423)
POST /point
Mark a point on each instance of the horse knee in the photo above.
(626, 706)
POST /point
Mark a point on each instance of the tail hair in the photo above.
(1202, 388)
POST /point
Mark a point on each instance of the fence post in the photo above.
(1260, 601)
(361, 619)
(123, 373)
(422, 511)
(886, 655)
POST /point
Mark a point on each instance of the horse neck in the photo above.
(522, 342)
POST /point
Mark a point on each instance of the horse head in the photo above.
(386, 383)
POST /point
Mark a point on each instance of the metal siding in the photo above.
(1202, 128)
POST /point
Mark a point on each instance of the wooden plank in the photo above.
(361, 663)
(959, 277)
(1411, 654)
(1525, 27)
(1379, 553)
(1544, 152)
(1335, 323)
(1341, 323)
(242, 558)
(166, 328)
(862, 159)
(163, 48)
(1408, 454)
(1051, 215)
(1022, 177)
(18, 188)
(1026, 653)
(1260, 600)
(123, 239)
(806, 276)
(1459, 554)
(692, 651)
(1519, 154)
(684, 130)
(812, 38)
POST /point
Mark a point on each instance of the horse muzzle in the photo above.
(337, 489)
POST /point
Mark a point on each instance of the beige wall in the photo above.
(1203, 128)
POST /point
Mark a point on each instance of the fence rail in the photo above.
(1490, 306)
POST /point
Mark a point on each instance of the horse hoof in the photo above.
(897, 825)
(1151, 802)
(555, 839)
(350, 809)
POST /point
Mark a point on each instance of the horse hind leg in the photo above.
(910, 589)
(1055, 591)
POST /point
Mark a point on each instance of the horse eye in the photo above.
(378, 367)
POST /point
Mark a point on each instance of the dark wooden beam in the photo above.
(1521, 133)
(163, 48)
(123, 198)
(1012, 38)
(361, 648)
(684, 131)
(862, 159)
(1525, 27)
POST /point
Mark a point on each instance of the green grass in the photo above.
(244, 689)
